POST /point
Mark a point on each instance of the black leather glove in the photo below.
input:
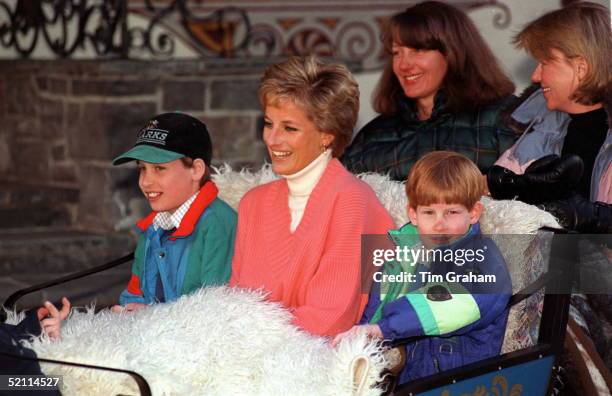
(579, 214)
(546, 179)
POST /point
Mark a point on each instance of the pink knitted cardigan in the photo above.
(315, 272)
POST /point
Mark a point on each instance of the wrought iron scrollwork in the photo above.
(502, 19)
(158, 29)
(24, 26)
(102, 26)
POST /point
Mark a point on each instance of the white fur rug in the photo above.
(222, 341)
(217, 341)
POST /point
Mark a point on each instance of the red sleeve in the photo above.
(134, 285)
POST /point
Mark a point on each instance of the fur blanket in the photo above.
(227, 341)
(217, 341)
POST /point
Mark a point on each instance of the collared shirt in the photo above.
(169, 220)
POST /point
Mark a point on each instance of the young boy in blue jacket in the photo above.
(455, 301)
(187, 242)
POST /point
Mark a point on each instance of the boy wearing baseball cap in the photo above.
(187, 242)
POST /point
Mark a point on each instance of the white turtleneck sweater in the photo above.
(301, 185)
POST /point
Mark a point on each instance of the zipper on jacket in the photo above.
(436, 364)
(414, 347)
(144, 274)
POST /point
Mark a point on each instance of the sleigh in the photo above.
(537, 257)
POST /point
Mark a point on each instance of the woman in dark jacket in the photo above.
(441, 90)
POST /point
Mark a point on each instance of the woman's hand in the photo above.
(371, 330)
(128, 307)
(51, 319)
(579, 214)
(548, 178)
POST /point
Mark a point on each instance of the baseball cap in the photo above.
(168, 137)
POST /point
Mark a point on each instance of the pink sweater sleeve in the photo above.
(334, 300)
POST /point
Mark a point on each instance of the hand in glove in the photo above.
(579, 214)
(546, 179)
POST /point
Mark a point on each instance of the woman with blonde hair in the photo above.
(567, 117)
(442, 89)
(299, 237)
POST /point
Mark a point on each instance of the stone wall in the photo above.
(64, 121)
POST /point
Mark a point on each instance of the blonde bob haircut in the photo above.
(579, 30)
(444, 177)
(326, 92)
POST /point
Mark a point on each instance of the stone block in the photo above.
(64, 173)
(19, 127)
(102, 131)
(2, 97)
(20, 96)
(34, 216)
(116, 87)
(183, 95)
(42, 83)
(73, 116)
(30, 161)
(58, 152)
(95, 205)
(5, 156)
(57, 86)
(187, 67)
(234, 94)
(15, 193)
(5, 195)
(105, 197)
(61, 250)
(51, 115)
(234, 139)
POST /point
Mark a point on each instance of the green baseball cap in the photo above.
(168, 137)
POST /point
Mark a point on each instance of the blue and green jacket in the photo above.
(457, 322)
(198, 253)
